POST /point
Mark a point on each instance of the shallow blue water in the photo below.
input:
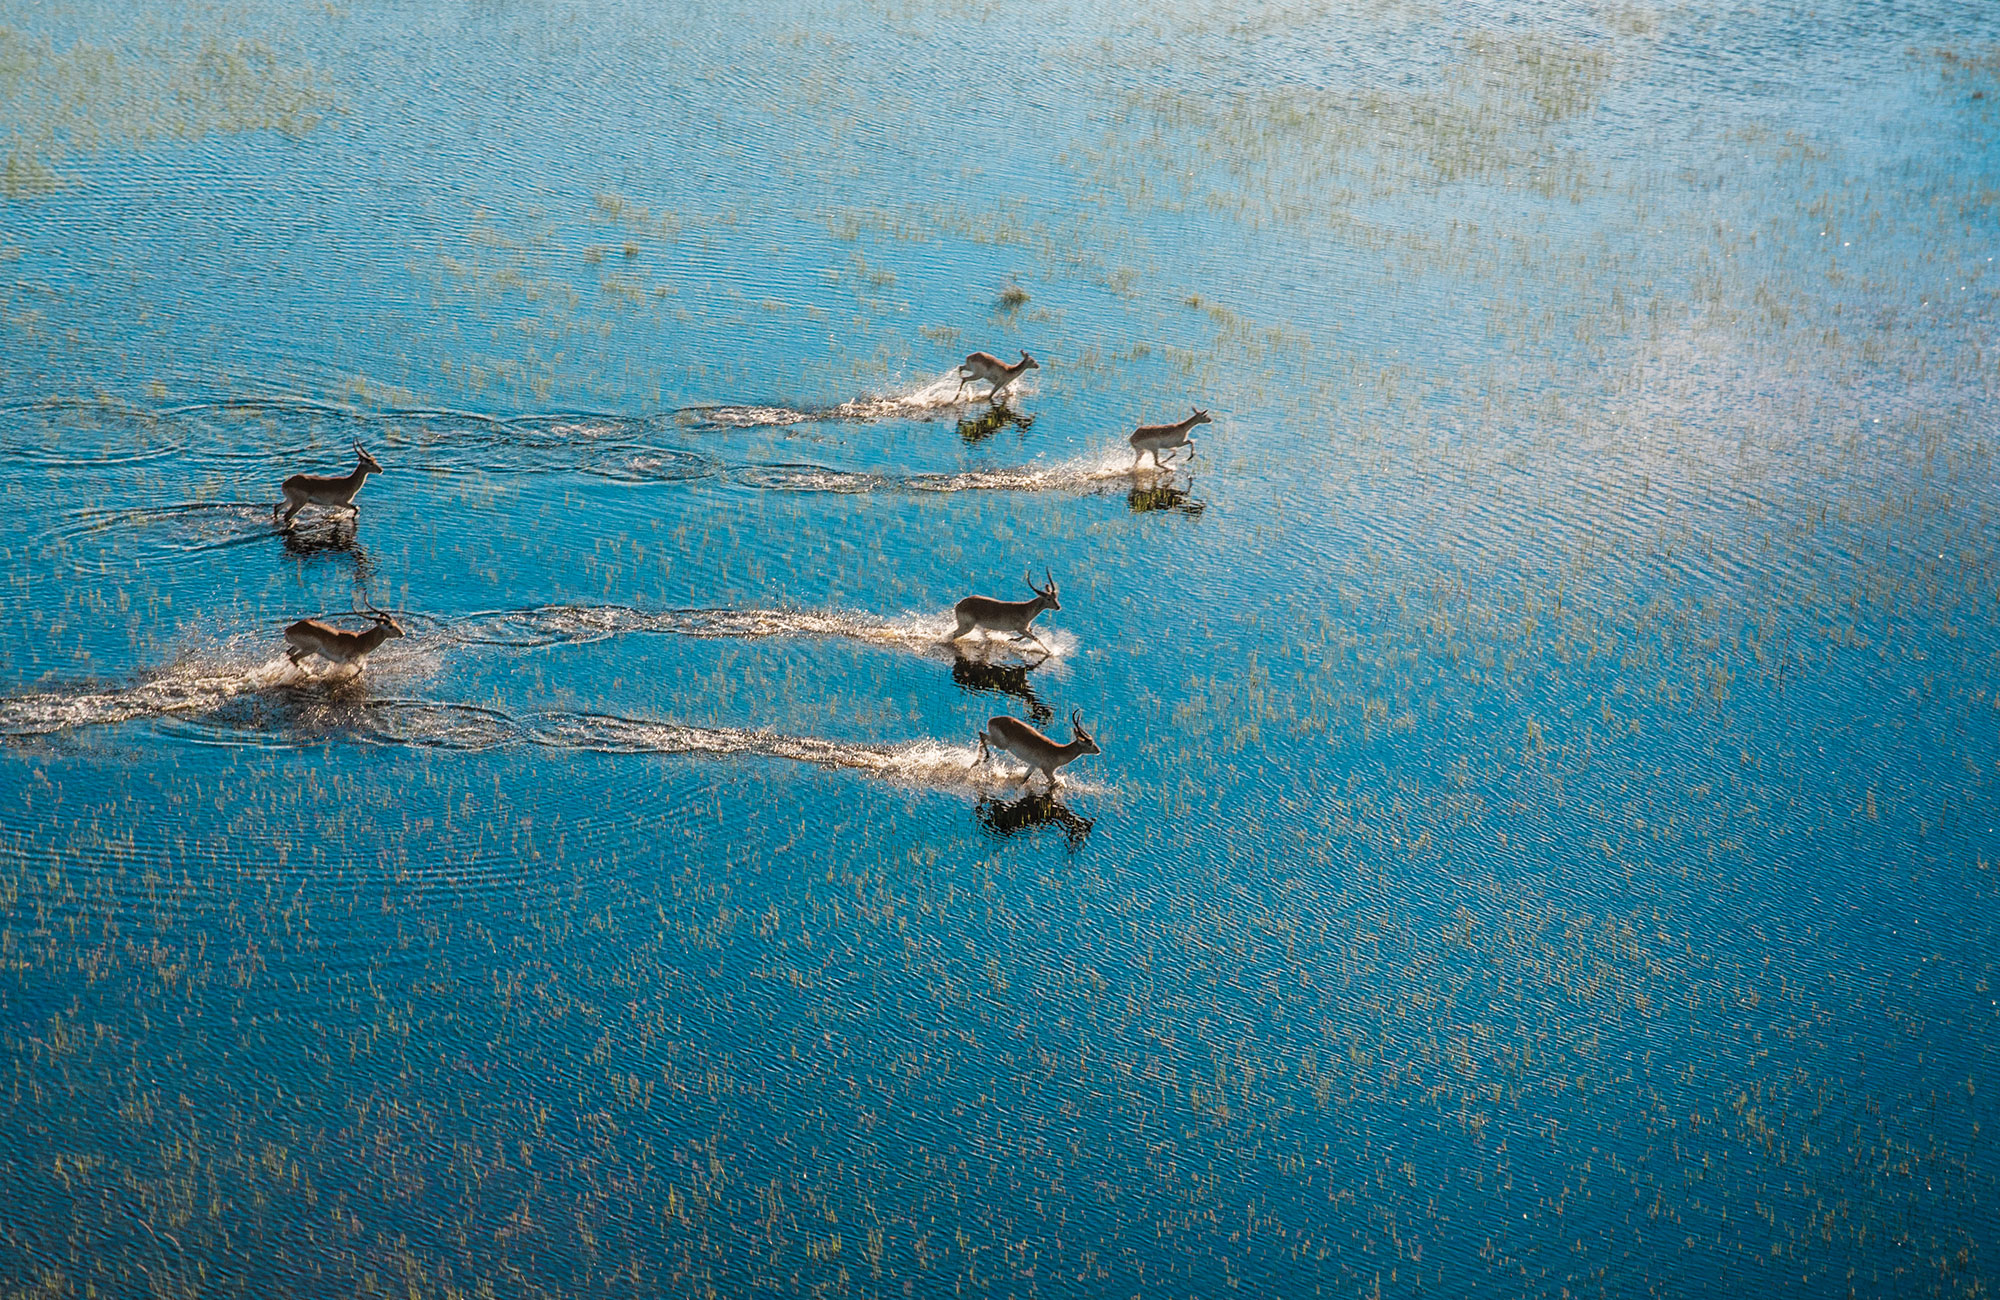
(1544, 840)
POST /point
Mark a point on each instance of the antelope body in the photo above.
(1009, 616)
(986, 366)
(333, 491)
(309, 636)
(1040, 753)
(1156, 438)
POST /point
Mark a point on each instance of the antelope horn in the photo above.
(1076, 719)
(1048, 577)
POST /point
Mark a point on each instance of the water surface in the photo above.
(1544, 840)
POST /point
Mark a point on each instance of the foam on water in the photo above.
(547, 625)
(1084, 472)
(920, 762)
(941, 392)
(220, 705)
(205, 682)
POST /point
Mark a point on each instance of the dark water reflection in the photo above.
(1544, 837)
(1031, 812)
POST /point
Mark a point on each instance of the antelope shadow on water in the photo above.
(1007, 818)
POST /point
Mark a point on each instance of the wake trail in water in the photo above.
(940, 393)
(290, 436)
(210, 706)
(1084, 472)
(176, 527)
(549, 625)
(920, 762)
(199, 684)
(184, 690)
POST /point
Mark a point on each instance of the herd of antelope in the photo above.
(1009, 620)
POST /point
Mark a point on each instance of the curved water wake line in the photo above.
(181, 528)
(84, 434)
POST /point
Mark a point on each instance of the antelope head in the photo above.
(1048, 593)
(1028, 362)
(1084, 744)
(1199, 417)
(387, 626)
(368, 463)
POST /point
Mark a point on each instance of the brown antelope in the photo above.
(986, 366)
(309, 636)
(331, 491)
(1156, 438)
(1009, 616)
(1033, 748)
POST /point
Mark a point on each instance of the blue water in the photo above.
(1544, 841)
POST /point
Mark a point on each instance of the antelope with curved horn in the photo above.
(1156, 438)
(1040, 753)
(331, 491)
(309, 636)
(986, 366)
(1009, 616)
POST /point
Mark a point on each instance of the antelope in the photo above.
(986, 366)
(328, 490)
(1009, 616)
(1156, 438)
(309, 636)
(1033, 748)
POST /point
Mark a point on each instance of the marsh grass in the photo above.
(86, 98)
(1539, 838)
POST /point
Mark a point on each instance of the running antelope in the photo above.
(1009, 616)
(1033, 748)
(309, 636)
(984, 365)
(1156, 438)
(328, 490)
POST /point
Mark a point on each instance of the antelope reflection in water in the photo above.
(1163, 495)
(337, 538)
(976, 673)
(1012, 817)
(977, 430)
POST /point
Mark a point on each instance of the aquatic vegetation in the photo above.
(87, 97)
(1543, 839)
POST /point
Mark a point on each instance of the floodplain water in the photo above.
(1544, 841)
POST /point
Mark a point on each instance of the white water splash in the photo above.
(582, 624)
(942, 392)
(921, 762)
(199, 682)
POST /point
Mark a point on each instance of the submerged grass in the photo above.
(85, 98)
